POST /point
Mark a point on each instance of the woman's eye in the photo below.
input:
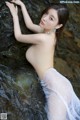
(51, 19)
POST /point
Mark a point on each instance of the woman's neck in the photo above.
(53, 31)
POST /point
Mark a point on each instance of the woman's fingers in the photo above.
(8, 4)
(12, 8)
(18, 2)
(13, 1)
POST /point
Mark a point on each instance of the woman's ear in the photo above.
(59, 26)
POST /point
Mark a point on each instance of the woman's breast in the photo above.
(29, 55)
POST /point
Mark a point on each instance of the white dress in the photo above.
(61, 100)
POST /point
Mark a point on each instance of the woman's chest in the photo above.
(29, 54)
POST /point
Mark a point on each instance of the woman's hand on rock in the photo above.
(17, 2)
(12, 8)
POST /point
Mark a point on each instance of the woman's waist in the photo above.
(42, 69)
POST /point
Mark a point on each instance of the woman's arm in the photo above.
(34, 38)
(30, 25)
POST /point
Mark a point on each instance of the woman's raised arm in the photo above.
(34, 38)
(29, 24)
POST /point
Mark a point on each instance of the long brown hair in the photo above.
(63, 15)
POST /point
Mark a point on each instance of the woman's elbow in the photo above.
(18, 37)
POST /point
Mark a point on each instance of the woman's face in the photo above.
(49, 20)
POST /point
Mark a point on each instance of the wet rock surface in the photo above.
(21, 95)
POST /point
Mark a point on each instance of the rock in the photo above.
(77, 40)
(62, 66)
(17, 98)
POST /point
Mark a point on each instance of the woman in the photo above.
(62, 103)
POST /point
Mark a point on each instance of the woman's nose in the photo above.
(45, 18)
